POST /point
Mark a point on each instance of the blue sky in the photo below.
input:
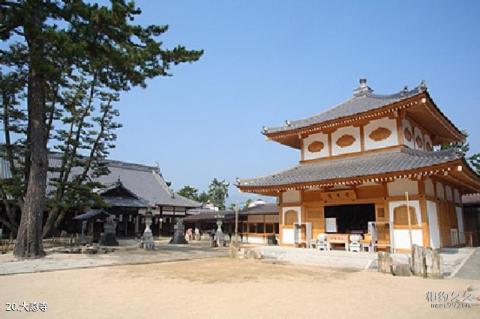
(269, 61)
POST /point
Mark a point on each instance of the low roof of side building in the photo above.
(146, 182)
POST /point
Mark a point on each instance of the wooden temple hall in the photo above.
(129, 191)
(370, 166)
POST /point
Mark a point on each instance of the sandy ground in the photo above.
(227, 288)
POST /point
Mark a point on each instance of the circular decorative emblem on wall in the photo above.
(407, 132)
(346, 140)
(428, 146)
(315, 147)
(380, 134)
(419, 142)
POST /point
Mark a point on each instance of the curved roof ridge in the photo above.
(361, 101)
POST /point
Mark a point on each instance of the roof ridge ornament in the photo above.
(423, 86)
(363, 88)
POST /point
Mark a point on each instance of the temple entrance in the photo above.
(349, 219)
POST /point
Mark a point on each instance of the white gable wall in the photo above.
(392, 140)
(319, 137)
(349, 130)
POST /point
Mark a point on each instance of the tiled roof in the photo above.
(144, 181)
(209, 215)
(362, 101)
(126, 202)
(261, 209)
(362, 165)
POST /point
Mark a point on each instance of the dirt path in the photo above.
(226, 288)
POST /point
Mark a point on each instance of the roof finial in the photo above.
(363, 88)
(423, 85)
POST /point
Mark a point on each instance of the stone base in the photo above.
(108, 240)
(178, 239)
(401, 270)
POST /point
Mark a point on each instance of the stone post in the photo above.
(384, 263)
(109, 231)
(147, 239)
(219, 235)
(418, 261)
(433, 262)
(178, 234)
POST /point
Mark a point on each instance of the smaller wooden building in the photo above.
(471, 209)
(257, 224)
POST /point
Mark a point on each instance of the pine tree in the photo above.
(218, 192)
(189, 192)
(464, 148)
(60, 41)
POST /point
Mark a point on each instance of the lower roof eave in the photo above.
(470, 182)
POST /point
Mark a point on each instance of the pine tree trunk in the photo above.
(49, 227)
(29, 237)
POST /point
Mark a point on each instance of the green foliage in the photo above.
(218, 192)
(71, 59)
(189, 192)
(203, 198)
(464, 148)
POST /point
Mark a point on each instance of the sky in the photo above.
(269, 61)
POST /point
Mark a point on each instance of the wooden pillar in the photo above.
(362, 138)
(125, 224)
(137, 224)
(423, 211)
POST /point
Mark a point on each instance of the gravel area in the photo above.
(126, 254)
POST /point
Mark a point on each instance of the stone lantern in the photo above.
(147, 239)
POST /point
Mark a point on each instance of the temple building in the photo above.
(129, 190)
(371, 166)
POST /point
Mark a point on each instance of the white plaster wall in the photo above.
(418, 133)
(412, 203)
(406, 123)
(254, 239)
(461, 227)
(288, 236)
(432, 214)
(399, 186)
(429, 187)
(440, 190)
(320, 137)
(349, 130)
(449, 192)
(427, 139)
(387, 123)
(291, 196)
(401, 238)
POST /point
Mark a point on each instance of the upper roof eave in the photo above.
(289, 133)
